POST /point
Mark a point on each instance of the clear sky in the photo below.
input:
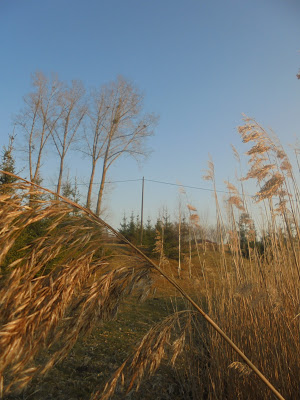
(200, 64)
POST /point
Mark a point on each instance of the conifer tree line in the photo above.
(163, 230)
(178, 239)
(162, 237)
(101, 124)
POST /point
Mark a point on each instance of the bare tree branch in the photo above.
(117, 127)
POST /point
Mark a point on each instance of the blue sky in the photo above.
(200, 64)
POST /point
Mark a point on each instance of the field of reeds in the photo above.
(230, 330)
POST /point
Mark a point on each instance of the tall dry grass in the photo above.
(256, 300)
(61, 285)
(64, 282)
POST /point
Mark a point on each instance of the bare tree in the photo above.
(38, 119)
(120, 128)
(72, 108)
(95, 137)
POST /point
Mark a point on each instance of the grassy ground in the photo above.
(94, 358)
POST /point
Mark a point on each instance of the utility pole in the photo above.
(142, 210)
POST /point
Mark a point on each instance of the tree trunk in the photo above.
(30, 171)
(30, 160)
(38, 162)
(89, 195)
(60, 174)
(101, 190)
(104, 171)
(179, 244)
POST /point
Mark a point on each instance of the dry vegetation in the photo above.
(76, 273)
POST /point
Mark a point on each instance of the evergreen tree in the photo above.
(169, 233)
(131, 228)
(124, 226)
(7, 164)
(70, 190)
(149, 235)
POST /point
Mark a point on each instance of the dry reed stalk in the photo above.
(20, 324)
